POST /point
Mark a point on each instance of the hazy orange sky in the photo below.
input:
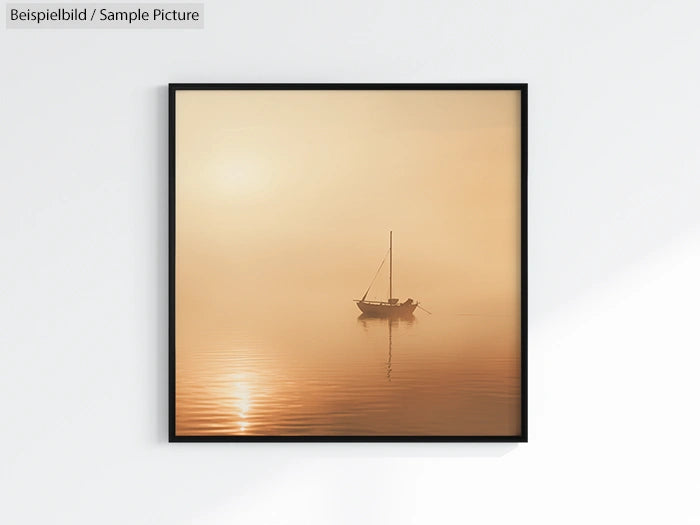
(291, 194)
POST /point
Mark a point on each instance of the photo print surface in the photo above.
(347, 263)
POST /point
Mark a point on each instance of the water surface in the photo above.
(320, 370)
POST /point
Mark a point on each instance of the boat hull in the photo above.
(379, 309)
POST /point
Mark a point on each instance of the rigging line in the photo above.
(375, 275)
(426, 311)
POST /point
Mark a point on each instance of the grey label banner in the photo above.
(104, 16)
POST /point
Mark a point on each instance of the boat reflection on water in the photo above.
(391, 322)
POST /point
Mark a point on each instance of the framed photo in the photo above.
(348, 262)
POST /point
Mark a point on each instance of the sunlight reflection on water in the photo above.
(353, 376)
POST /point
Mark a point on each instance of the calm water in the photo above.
(329, 371)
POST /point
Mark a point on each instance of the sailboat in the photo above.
(391, 307)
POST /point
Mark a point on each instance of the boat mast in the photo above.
(391, 263)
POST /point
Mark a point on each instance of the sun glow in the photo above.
(239, 180)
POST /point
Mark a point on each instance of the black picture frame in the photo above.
(172, 93)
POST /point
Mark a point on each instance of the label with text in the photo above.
(104, 16)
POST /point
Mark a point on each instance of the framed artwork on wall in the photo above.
(348, 262)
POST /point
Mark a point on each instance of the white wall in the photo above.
(614, 264)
